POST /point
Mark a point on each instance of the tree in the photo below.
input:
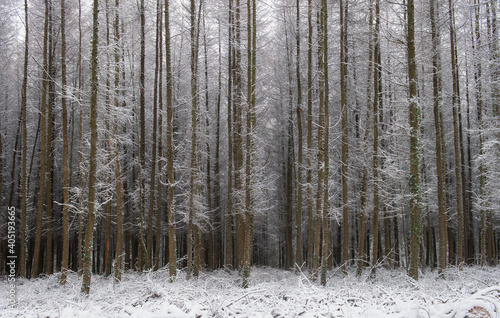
(457, 134)
(414, 180)
(440, 155)
(118, 174)
(170, 150)
(35, 270)
(298, 205)
(377, 99)
(65, 257)
(24, 185)
(87, 257)
(345, 132)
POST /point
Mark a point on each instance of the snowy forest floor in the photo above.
(472, 292)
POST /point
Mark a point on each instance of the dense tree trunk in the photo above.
(229, 218)
(345, 132)
(440, 159)
(362, 243)
(66, 174)
(116, 155)
(414, 180)
(172, 254)
(377, 100)
(87, 257)
(299, 175)
(50, 132)
(24, 185)
(458, 144)
(309, 193)
(35, 269)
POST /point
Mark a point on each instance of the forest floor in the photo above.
(471, 292)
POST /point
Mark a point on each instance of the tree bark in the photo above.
(87, 258)
(24, 185)
(414, 180)
(35, 269)
(66, 174)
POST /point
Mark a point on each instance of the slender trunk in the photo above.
(230, 129)
(362, 245)
(35, 269)
(24, 186)
(66, 174)
(172, 254)
(377, 99)
(440, 160)
(50, 130)
(159, 210)
(87, 258)
(298, 205)
(325, 251)
(144, 257)
(251, 75)
(118, 175)
(414, 118)
(345, 132)
(457, 134)
(309, 189)
(154, 156)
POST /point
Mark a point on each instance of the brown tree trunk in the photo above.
(345, 133)
(299, 178)
(24, 186)
(172, 254)
(414, 180)
(87, 258)
(35, 269)
(377, 99)
(309, 189)
(66, 174)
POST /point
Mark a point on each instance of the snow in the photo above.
(471, 292)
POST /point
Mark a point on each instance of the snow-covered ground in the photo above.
(472, 292)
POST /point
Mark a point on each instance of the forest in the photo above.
(194, 135)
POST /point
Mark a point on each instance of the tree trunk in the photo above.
(118, 175)
(377, 99)
(362, 245)
(309, 189)
(440, 159)
(35, 269)
(87, 258)
(299, 177)
(345, 132)
(414, 180)
(50, 132)
(154, 156)
(66, 174)
(24, 185)
(172, 254)
(457, 134)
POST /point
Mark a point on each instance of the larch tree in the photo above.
(345, 132)
(440, 158)
(251, 120)
(116, 149)
(377, 99)
(299, 174)
(35, 269)
(66, 174)
(24, 185)
(362, 241)
(172, 254)
(457, 139)
(89, 233)
(144, 258)
(414, 119)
